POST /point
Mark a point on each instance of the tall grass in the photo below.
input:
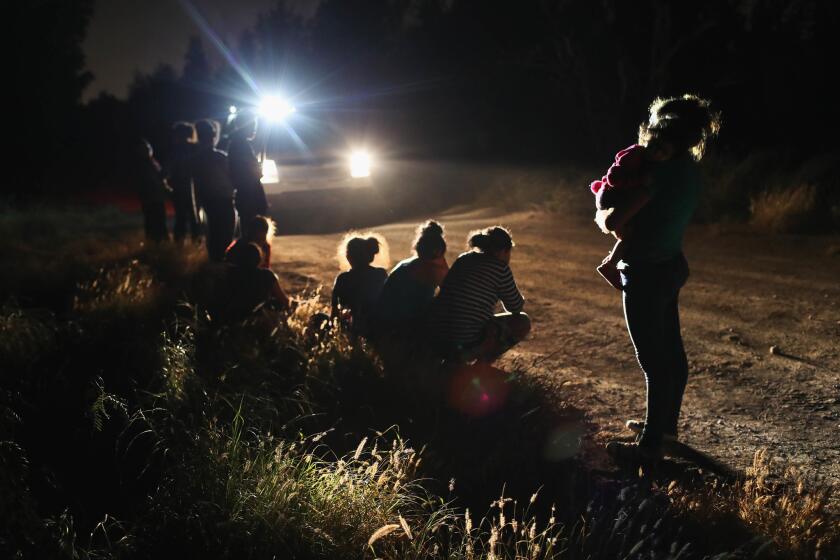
(787, 209)
(788, 508)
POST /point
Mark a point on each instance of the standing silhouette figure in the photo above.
(151, 188)
(179, 176)
(245, 170)
(214, 189)
(653, 268)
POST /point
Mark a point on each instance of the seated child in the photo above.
(249, 286)
(357, 290)
(259, 230)
(629, 172)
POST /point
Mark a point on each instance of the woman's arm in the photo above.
(509, 293)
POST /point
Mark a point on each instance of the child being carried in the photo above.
(629, 172)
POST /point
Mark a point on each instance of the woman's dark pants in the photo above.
(154, 220)
(186, 217)
(651, 309)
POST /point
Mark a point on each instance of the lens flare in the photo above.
(478, 389)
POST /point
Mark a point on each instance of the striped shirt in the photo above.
(468, 297)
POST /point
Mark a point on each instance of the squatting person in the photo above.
(462, 324)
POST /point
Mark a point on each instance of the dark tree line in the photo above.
(45, 81)
(542, 80)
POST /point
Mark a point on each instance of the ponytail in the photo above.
(360, 250)
(490, 240)
(429, 241)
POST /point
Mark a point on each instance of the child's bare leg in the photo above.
(616, 254)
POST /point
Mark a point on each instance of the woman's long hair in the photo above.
(686, 122)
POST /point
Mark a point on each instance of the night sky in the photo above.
(127, 36)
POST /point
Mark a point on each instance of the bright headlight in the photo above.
(360, 164)
(274, 108)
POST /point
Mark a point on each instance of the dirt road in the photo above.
(747, 293)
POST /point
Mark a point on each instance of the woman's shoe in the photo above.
(638, 426)
(635, 426)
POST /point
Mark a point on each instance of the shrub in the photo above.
(781, 210)
(778, 191)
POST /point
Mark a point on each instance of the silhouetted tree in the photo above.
(197, 71)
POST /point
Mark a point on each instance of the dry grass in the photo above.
(784, 506)
(555, 189)
(790, 508)
(776, 190)
(127, 285)
(790, 209)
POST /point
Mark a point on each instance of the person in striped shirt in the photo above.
(462, 321)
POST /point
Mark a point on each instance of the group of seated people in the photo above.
(453, 310)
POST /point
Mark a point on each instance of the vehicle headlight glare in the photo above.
(360, 164)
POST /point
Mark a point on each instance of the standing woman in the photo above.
(214, 189)
(653, 268)
(245, 171)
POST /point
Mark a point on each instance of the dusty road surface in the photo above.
(747, 292)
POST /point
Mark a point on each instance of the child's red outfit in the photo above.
(626, 172)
